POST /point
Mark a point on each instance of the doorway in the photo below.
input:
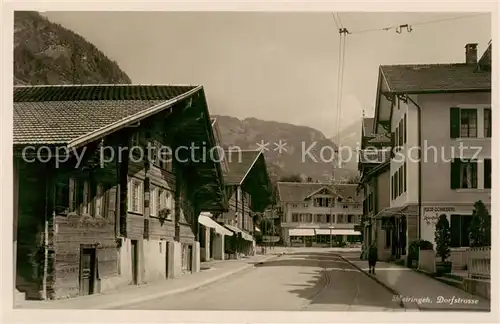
(135, 263)
(87, 270)
(167, 273)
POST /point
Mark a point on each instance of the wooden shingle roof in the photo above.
(298, 191)
(60, 114)
(239, 164)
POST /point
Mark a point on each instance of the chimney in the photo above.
(471, 54)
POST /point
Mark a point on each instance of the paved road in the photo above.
(308, 281)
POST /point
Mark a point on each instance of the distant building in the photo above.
(316, 213)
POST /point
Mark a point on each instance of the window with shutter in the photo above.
(62, 197)
(401, 132)
(487, 122)
(392, 187)
(153, 211)
(111, 202)
(487, 173)
(85, 198)
(396, 184)
(468, 174)
(468, 122)
(455, 174)
(454, 122)
(404, 177)
(72, 195)
(404, 129)
(98, 212)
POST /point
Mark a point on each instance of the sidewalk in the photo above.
(211, 272)
(418, 291)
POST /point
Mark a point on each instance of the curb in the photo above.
(184, 289)
(408, 306)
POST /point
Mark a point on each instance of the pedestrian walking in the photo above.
(372, 258)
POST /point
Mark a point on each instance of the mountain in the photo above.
(296, 142)
(47, 53)
(349, 141)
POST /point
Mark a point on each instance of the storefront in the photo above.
(459, 217)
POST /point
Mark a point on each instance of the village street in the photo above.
(308, 280)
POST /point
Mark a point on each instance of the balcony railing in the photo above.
(374, 156)
(479, 263)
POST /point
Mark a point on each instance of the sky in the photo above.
(276, 66)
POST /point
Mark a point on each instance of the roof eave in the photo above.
(111, 128)
(437, 91)
(250, 168)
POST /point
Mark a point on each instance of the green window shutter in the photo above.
(455, 174)
(454, 122)
(487, 173)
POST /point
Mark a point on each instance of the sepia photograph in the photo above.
(252, 161)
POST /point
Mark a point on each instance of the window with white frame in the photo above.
(340, 219)
(307, 218)
(153, 199)
(169, 203)
(99, 201)
(320, 218)
(165, 157)
(463, 122)
(464, 174)
(351, 219)
(85, 198)
(136, 195)
(295, 218)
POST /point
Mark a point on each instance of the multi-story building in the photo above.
(373, 165)
(114, 197)
(444, 109)
(319, 213)
(249, 189)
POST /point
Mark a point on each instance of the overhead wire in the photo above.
(340, 76)
(413, 24)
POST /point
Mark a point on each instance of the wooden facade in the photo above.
(73, 219)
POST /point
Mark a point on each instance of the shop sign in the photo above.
(431, 214)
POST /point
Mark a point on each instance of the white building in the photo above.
(319, 213)
(439, 108)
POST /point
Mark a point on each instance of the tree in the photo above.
(291, 178)
(442, 236)
(480, 226)
(267, 226)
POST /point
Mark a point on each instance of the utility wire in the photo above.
(340, 21)
(414, 24)
(335, 20)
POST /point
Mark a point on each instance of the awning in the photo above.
(244, 234)
(336, 231)
(205, 220)
(397, 211)
(301, 232)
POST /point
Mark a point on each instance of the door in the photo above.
(166, 259)
(190, 258)
(134, 258)
(87, 271)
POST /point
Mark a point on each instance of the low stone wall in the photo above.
(427, 261)
(478, 287)
(459, 258)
